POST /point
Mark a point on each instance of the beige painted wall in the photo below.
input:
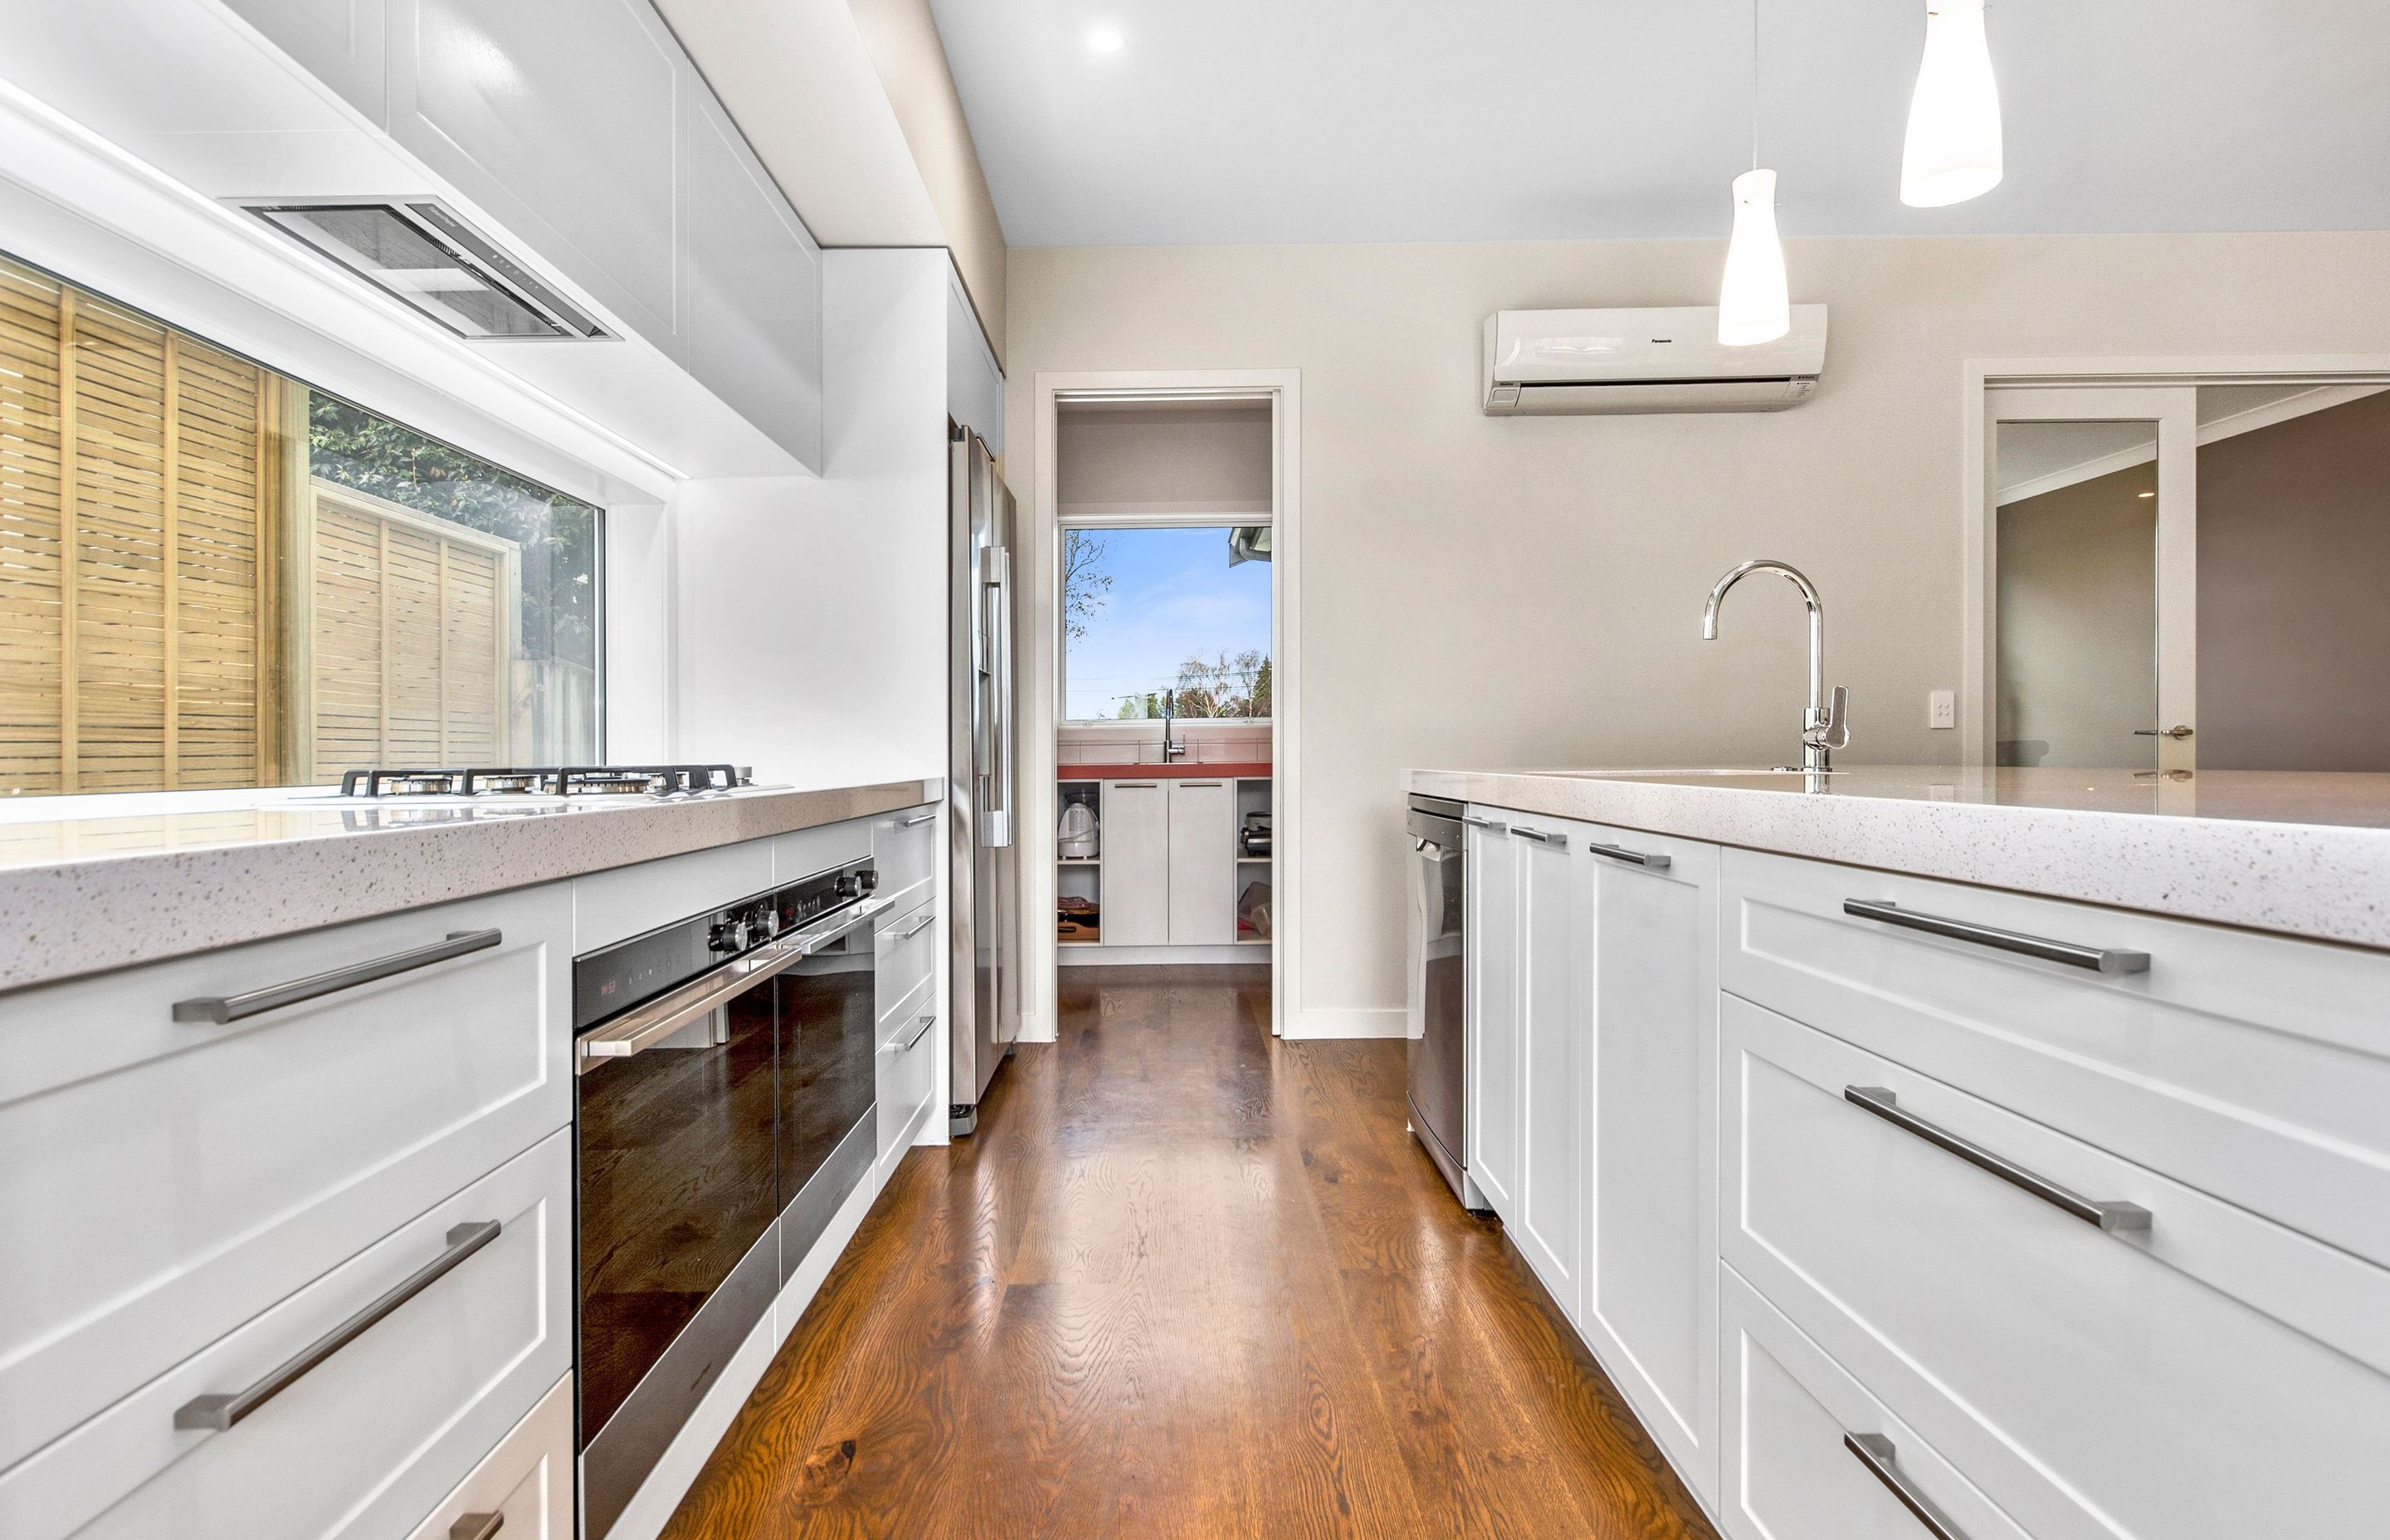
(1528, 591)
(903, 39)
(2294, 594)
(2078, 622)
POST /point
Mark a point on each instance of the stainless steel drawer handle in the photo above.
(220, 1008)
(916, 820)
(917, 927)
(477, 1526)
(1649, 861)
(220, 1412)
(1485, 823)
(1539, 837)
(1874, 1451)
(2097, 960)
(2108, 1214)
(927, 1022)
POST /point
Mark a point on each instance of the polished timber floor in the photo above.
(1186, 1281)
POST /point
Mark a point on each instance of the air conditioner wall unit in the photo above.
(1558, 362)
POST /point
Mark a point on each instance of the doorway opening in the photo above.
(2183, 573)
(1165, 715)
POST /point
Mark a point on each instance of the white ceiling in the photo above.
(1254, 121)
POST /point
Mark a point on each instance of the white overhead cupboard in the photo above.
(1892, 1203)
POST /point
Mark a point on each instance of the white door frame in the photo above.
(1978, 597)
(1038, 543)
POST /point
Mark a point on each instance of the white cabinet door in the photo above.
(1651, 1277)
(562, 119)
(338, 42)
(1554, 1049)
(1136, 864)
(1203, 863)
(1490, 971)
(754, 319)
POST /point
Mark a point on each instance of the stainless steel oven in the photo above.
(724, 1065)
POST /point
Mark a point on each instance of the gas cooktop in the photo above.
(548, 781)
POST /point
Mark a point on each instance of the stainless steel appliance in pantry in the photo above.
(982, 795)
(1438, 1026)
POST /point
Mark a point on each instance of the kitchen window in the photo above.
(213, 575)
(1152, 614)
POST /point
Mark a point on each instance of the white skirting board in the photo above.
(1169, 956)
(1348, 1021)
(657, 1498)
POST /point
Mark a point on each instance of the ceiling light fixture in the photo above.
(1953, 149)
(1755, 301)
(1105, 40)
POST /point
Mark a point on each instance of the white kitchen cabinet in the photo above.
(1554, 1054)
(1651, 1275)
(369, 1438)
(1490, 982)
(1203, 862)
(1136, 864)
(175, 1177)
(2190, 1370)
(1795, 1434)
(524, 1489)
(562, 118)
(338, 42)
(752, 322)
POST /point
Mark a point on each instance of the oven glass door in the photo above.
(678, 1181)
(829, 1026)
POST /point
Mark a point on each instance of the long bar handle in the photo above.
(1648, 860)
(1874, 1451)
(926, 1023)
(1539, 836)
(2107, 1214)
(223, 1008)
(918, 926)
(915, 821)
(220, 1412)
(477, 1526)
(2099, 959)
(998, 831)
(1484, 824)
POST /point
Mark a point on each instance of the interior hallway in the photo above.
(1186, 1281)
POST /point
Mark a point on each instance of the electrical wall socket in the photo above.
(1942, 709)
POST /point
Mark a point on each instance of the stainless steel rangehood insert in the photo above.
(418, 250)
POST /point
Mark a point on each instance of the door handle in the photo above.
(1650, 862)
(2107, 1214)
(1539, 836)
(926, 1023)
(1874, 1451)
(1484, 824)
(224, 1009)
(2097, 960)
(2177, 732)
(915, 821)
(477, 1526)
(220, 1412)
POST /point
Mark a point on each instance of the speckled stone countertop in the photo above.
(2303, 853)
(119, 881)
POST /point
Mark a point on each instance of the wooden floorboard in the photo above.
(1185, 1281)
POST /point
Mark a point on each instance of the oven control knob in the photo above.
(850, 886)
(729, 935)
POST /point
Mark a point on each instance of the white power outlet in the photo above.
(1942, 709)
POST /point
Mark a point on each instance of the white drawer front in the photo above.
(631, 901)
(525, 1485)
(904, 849)
(2256, 1068)
(907, 957)
(2211, 1375)
(907, 1069)
(1790, 1471)
(368, 1441)
(174, 1178)
(800, 854)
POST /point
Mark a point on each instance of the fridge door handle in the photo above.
(998, 830)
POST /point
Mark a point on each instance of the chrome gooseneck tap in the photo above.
(1171, 752)
(1826, 727)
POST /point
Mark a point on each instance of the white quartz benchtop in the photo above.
(2303, 853)
(132, 880)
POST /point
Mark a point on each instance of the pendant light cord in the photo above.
(1755, 84)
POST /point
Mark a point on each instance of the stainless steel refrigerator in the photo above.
(980, 790)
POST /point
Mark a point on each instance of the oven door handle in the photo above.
(638, 1029)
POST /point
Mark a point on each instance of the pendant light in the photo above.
(1755, 304)
(1953, 149)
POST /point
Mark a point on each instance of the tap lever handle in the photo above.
(1835, 731)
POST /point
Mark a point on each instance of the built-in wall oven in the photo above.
(724, 1068)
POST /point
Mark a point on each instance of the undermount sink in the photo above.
(1670, 774)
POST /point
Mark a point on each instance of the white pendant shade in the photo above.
(1953, 148)
(1753, 303)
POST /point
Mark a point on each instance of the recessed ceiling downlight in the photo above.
(1105, 40)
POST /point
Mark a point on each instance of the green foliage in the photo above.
(558, 534)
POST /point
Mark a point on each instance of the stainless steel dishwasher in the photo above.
(1439, 1011)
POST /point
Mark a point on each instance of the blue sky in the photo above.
(1173, 593)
